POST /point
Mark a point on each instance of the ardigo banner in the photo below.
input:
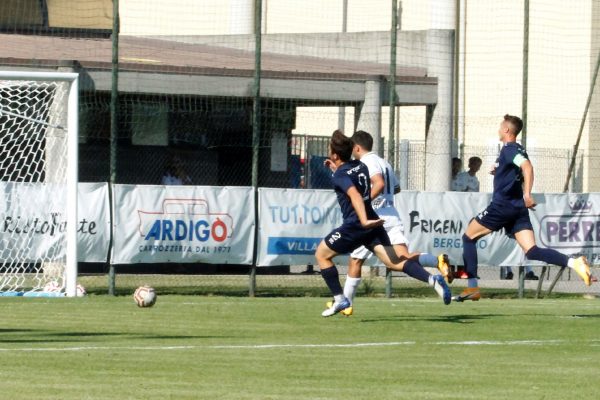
(292, 223)
(156, 224)
(33, 222)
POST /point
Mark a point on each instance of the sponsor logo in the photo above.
(570, 231)
(302, 214)
(446, 233)
(185, 220)
(580, 205)
(292, 245)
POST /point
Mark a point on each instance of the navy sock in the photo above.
(415, 270)
(470, 256)
(332, 279)
(548, 256)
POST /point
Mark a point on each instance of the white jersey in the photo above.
(384, 203)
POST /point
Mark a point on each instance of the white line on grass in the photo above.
(298, 346)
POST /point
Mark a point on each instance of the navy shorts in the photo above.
(347, 238)
(512, 219)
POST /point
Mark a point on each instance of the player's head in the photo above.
(363, 139)
(511, 126)
(340, 146)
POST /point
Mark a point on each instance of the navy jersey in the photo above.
(353, 173)
(508, 178)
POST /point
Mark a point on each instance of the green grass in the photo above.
(202, 347)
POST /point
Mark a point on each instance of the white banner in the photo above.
(216, 224)
(33, 219)
(569, 223)
(435, 223)
(155, 224)
(293, 222)
(93, 230)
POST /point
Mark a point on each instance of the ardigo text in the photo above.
(187, 231)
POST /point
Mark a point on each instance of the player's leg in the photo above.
(360, 255)
(412, 268)
(400, 243)
(526, 240)
(329, 272)
(355, 262)
(475, 230)
(353, 278)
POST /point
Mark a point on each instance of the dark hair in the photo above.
(363, 139)
(475, 159)
(341, 145)
(515, 122)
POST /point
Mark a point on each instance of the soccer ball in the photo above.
(80, 291)
(144, 296)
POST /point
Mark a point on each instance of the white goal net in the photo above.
(38, 183)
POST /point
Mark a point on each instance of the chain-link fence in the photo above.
(206, 88)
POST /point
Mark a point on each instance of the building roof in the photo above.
(145, 61)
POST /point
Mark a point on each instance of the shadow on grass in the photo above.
(586, 315)
(45, 336)
(457, 319)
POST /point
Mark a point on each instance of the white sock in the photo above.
(571, 263)
(472, 282)
(338, 298)
(350, 287)
(430, 280)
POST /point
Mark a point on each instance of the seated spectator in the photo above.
(175, 174)
(467, 181)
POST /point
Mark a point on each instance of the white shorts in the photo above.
(396, 234)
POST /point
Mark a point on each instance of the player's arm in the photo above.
(329, 164)
(377, 185)
(359, 207)
(527, 170)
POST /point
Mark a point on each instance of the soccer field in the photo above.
(191, 347)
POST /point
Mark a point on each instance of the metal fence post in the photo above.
(404, 147)
(256, 136)
(114, 126)
(521, 281)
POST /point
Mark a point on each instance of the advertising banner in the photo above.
(435, 222)
(33, 222)
(569, 223)
(93, 229)
(183, 224)
(293, 222)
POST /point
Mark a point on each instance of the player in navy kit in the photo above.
(509, 209)
(361, 227)
(383, 187)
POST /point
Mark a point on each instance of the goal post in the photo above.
(38, 183)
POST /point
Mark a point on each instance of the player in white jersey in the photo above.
(383, 187)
